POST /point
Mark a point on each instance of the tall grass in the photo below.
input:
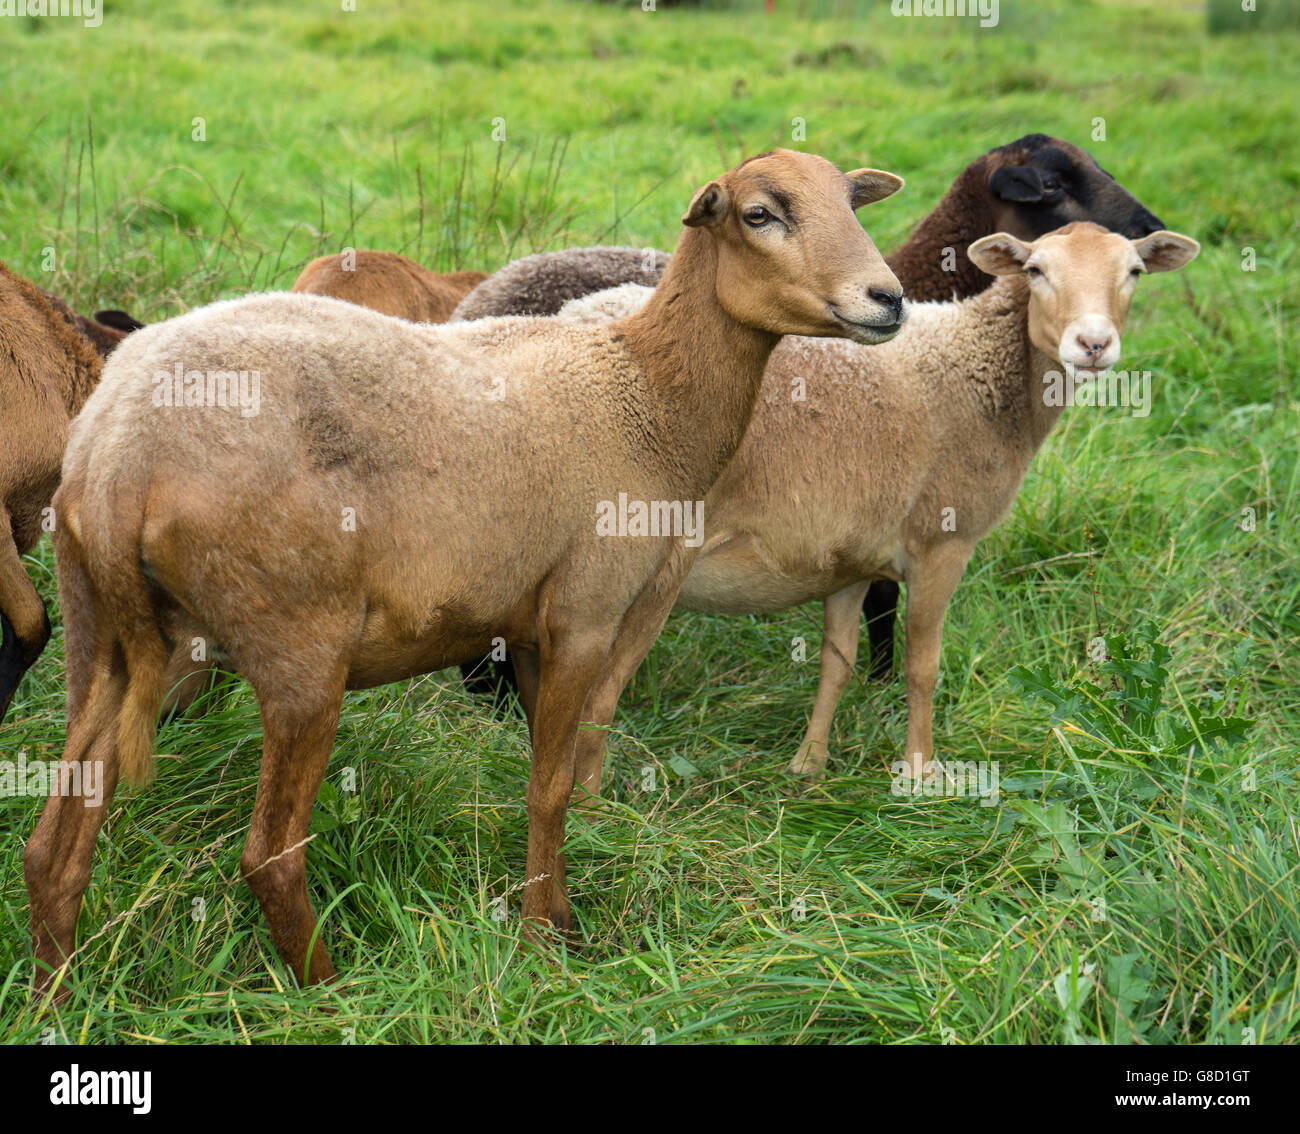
(483, 204)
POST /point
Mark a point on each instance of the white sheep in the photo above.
(893, 462)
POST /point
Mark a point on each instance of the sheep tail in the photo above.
(126, 615)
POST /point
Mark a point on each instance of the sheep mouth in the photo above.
(867, 333)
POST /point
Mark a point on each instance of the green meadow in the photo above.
(1137, 877)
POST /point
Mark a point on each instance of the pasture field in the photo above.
(1137, 880)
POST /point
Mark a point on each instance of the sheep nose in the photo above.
(893, 300)
(1091, 347)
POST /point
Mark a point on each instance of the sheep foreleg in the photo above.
(637, 632)
(569, 666)
(931, 581)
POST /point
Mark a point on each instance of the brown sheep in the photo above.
(388, 283)
(50, 360)
(47, 371)
(104, 331)
(328, 540)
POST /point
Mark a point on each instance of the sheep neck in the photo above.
(1002, 376)
(963, 215)
(75, 382)
(702, 366)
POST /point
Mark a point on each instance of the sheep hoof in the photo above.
(545, 936)
(809, 761)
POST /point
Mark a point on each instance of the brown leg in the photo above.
(298, 734)
(58, 858)
(23, 621)
(931, 581)
(186, 679)
(570, 664)
(839, 653)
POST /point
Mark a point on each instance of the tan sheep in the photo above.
(388, 283)
(341, 535)
(901, 458)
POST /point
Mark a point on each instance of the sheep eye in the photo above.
(1135, 272)
(757, 215)
(1033, 272)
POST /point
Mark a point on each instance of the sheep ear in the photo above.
(708, 207)
(118, 320)
(999, 255)
(1019, 183)
(870, 185)
(1166, 251)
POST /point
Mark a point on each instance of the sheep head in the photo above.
(791, 256)
(1038, 183)
(1081, 279)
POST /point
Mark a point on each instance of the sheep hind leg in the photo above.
(297, 736)
(570, 664)
(58, 858)
(839, 653)
(24, 624)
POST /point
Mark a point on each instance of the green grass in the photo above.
(925, 919)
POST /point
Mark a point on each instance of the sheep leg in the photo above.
(930, 588)
(637, 633)
(569, 668)
(526, 674)
(186, 681)
(296, 743)
(880, 608)
(24, 625)
(839, 653)
(58, 858)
